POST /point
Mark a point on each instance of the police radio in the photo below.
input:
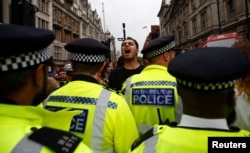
(159, 115)
(167, 122)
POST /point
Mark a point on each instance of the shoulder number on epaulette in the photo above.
(57, 140)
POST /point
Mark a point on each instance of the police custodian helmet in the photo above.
(207, 69)
(159, 46)
(23, 47)
(87, 50)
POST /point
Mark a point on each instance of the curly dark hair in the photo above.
(243, 83)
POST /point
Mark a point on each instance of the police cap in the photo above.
(68, 69)
(214, 68)
(23, 47)
(158, 46)
(87, 50)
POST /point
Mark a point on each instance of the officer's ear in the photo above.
(167, 57)
(39, 74)
(102, 67)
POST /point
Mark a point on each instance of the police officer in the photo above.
(106, 123)
(205, 82)
(69, 71)
(26, 128)
(152, 94)
(68, 68)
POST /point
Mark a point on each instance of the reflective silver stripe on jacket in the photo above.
(27, 146)
(127, 94)
(143, 128)
(178, 110)
(99, 121)
(151, 143)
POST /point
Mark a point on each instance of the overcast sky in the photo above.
(134, 13)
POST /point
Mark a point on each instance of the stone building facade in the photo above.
(192, 21)
(68, 19)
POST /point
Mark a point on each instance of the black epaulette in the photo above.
(123, 91)
(171, 124)
(57, 140)
(142, 138)
(112, 90)
(119, 92)
(105, 86)
(151, 133)
(234, 128)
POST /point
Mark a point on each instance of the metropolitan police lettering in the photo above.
(154, 97)
(78, 123)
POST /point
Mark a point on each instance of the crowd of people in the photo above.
(172, 102)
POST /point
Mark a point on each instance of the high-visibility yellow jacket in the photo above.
(19, 123)
(152, 97)
(106, 123)
(166, 139)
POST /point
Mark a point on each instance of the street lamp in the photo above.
(120, 39)
(124, 32)
(218, 11)
(247, 34)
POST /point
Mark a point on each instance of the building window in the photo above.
(42, 23)
(84, 29)
(57, 52)
(185, 30)
(75, 10)
(67, 22)
(179, 20)
(43, 6)
(203, 20)
(58, 33)
(231, 9)
(67, 37)
(57, 15)
(179, 35)
(193, 4)
(185, 13)
(194, 24)
(1, 12)
(75, 26)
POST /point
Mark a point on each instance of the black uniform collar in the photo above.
(7, 101)
(82, 77)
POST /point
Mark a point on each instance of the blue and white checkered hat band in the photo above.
(24, 61)
(207, 86)
(89, 58)
(160, 50)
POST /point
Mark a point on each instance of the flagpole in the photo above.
(103, 18)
